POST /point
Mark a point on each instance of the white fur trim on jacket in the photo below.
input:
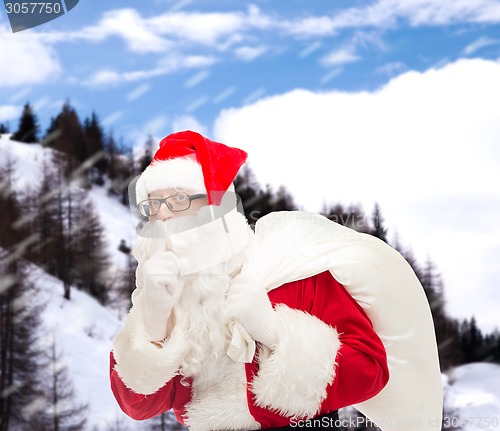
(293, 376)
(180, 172)
(143, 367)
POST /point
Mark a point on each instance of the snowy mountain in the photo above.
(473, 390)
(84, 329)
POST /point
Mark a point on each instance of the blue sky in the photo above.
(388, 101)
(140, 68)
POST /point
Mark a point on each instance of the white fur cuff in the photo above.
(293, 377)
(143, 367)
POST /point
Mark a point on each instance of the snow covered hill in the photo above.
(474, 393)
(84, 329)
(115, 218)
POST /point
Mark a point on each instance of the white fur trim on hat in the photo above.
(182, 172)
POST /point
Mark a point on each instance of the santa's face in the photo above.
(201, 236)
(174, 203)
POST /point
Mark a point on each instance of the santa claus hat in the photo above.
(189, 160)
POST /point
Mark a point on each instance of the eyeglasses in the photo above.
(175, 203)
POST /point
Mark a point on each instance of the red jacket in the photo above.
(361, 365)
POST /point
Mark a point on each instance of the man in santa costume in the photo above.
(241, 330)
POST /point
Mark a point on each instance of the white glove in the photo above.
(161, 277)
(250, 305)
(162, 289)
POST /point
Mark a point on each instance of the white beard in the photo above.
(212, 258)
(154, 237)
(204, 315)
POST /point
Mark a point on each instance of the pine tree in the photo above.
(472, 341)
(49, 208)
(121, 169)
(70, 242)
(51, 133)
(491, 346)
(68, 137)
(378, 229)
(352, 216)
(11, 286)
(126, 280)
(111, 150)
(282, 200)
(257, 202)
(94, 135)
(20, 368)
(165, 422)
(89, 257)
(249, 191)
(4, 128)
(43, 201)
(117, 425)
(10, 209)
(495, 351)
(28, 126)
(60, 407)
(146, 157)
(446, 328)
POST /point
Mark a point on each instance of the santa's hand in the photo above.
(161, 278)
(250, 305)
(161, 290)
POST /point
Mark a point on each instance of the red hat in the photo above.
(191, 161)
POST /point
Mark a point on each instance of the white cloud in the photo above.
(138, 92)
(169, 31)
(175, 30)
(170, 64)
(188, 122)
(112, 118)
(332, 74)
(340, 56)
(156, 125)
(104, 77)
(177, 33)
(249, 53)
(309, 49)
(178, 5)
(391, 68)
(349, 52)
(20, 95)
(387, 13)
(41, 103)
(26, 60)
(254, 95)
(197, 78)
(130, 26)
(202, 28)
(425, 147)
(9, 112)
(224, 94)
(478, 44)
(196, 104)
(311, 26)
